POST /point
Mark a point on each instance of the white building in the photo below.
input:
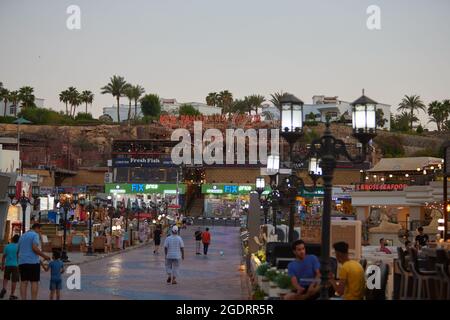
(170, 106)
(10, 107)
(9, 160)
(323, 106)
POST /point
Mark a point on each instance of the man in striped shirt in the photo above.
(174, 252)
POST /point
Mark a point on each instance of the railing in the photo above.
(214, 221)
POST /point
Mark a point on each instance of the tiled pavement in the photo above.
(138, 274)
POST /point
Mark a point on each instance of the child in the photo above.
(56, 268)
(10, 267)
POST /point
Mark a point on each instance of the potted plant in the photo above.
(271, 275)
(284, 284)
(261, 272)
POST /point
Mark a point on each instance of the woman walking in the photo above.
(157, 238)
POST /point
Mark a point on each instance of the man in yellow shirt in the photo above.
(351, 284)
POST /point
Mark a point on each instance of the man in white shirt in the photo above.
(174, 252)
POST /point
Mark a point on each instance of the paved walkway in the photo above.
(138, 274)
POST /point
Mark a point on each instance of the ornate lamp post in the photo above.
(273, 167)
(23, 200)
(90, 207)
(67, 205)
(323, 154)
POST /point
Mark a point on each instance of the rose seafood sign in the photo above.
(380, 187)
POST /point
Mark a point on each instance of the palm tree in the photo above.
(254, 102)
(446, 107)
(26, 95)
(276, 98)
(116, 87)
(130, 95)
(436, 111)
(225, 99)
(74, 97)
(14, 98)
(87, 97)
(138, 91)
(239, 106)
(212, 99)
(64, 97)
(411, 104)
(4, 95)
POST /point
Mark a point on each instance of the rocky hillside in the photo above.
(94, 142)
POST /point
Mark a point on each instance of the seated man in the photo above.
(351, 284)
(383, 247)
(304, 270)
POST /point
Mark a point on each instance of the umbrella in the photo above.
(22, 120)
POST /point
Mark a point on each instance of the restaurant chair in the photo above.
(405, 274)
(442, 269)
(100, 244)
(421, 277)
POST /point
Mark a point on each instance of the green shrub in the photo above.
(271, 274)
(7, 119)
(262, 269)
(311, 123)
(83, 116)
(419, 129)
(259, 294)
(283, 281)
(390, 145)
(45, 116)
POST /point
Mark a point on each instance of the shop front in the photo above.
(226, 200)
(156, 193)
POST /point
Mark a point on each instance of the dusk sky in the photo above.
(184, 49)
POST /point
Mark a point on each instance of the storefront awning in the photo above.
(404, 164)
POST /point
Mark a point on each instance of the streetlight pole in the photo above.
(324, 153)
(24, 201)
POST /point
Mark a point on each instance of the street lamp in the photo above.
(90, 207)
(328, 149)
(67, 205)
(273, 167)
(260, 187)
(291, 120)
(23, 200)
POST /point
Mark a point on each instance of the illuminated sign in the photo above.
(380, 187)
(144, 188)
(227, 189)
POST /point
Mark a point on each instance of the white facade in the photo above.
(9, 160)
(10, 108)
(170, 106)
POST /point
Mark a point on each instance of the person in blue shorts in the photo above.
(56, 268)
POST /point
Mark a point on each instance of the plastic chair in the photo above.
(405, 274)
(442, 264)
(422, 278)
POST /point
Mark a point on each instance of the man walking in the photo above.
(206, 239)
(198, 240)
(174, 252)
(29, 264)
